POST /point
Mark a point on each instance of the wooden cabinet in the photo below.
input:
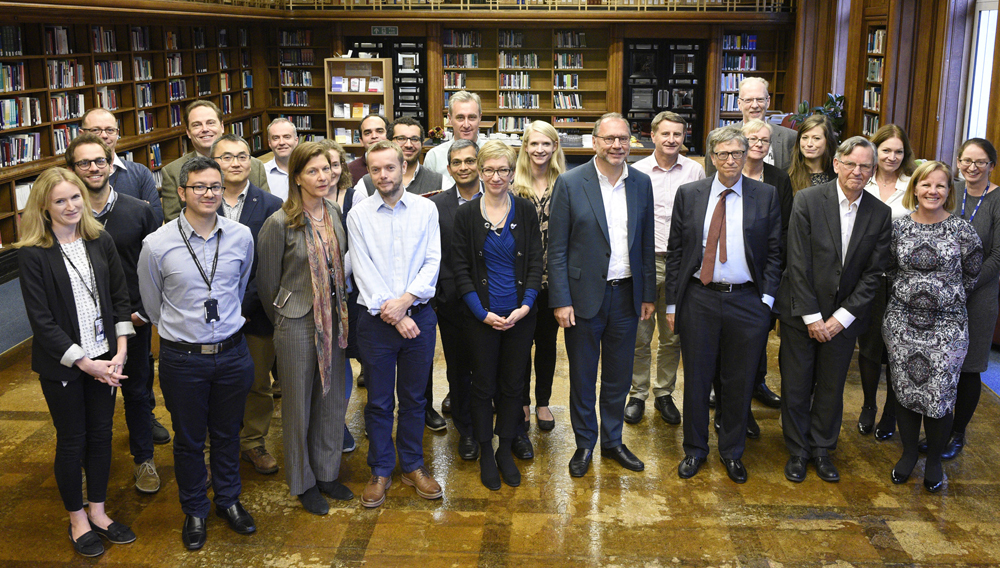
(750, 53)
(355, 88)
(295, 78)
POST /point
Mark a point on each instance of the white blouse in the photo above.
(895, 201)
(88, 304)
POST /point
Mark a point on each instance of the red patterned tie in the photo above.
(716, 239)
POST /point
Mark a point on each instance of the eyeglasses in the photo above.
(85, 164)
(469, 162)
(851, 166)
(610, 140)
(724, 156)
(404, 139)
(965, 162)
(98, 131)
(228, 158)
(203, 189)
(753, 141)
(758, 100)
(488, 173)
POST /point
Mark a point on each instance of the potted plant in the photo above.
(833, 108)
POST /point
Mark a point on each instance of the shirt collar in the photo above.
(404, 200)
(718, 188)
(112, 197)
(477, 194)
(243, 193)
(842, 197)
(189, 230)
(274, 168)
(118, 162)
(677, 165)
(605, 179)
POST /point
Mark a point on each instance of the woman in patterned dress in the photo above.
(935, 259)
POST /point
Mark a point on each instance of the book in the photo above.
(337, 84)
(376, 85)
(355, 85)
(357, 110)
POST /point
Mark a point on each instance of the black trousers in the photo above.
(137, 393)
(82, 412)
(498, 360)
(546, 331)
(452, 319)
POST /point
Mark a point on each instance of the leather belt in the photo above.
(204, 348)
(720, 287)
(619, 281)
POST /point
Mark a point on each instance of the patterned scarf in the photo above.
(326, 265)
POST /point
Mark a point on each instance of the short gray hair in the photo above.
(851, 144)
(464, 97)
(282, 120)
(461, 144)
(611, 116)
(725, 134)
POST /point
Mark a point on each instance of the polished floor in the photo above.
(610, 517)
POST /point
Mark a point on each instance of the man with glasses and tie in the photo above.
(193, 272)
(723, 268)
(602, 280)
(753, 102)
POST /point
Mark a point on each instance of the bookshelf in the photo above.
(295, 78)
(665, 75)
(871, 101)
(744, 53)
(409, 71)
(353, 89)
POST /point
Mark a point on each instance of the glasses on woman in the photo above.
(753, 141)
(490, 172)
(967, 163)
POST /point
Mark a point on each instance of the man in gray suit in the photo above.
(838, 245)
(602, 279)
(753, 102)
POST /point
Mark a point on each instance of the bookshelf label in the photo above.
(357, 69)
(385, 30)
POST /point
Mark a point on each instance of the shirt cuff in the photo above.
(812, 318)
(142, 317)
(768, 299)
(845, 317)
(72, 355)
(671, 308)
(124, 328)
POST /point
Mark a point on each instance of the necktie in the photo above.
(716, 239)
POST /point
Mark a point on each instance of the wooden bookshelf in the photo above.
(745, 53)
(347, 107)
(874, 80)
(295, 78)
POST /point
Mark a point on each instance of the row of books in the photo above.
(510, 38)
(104, 39)
(204, 85)
(746, 42)
(731, 81)
(12, 77)
(146, 121)
(144, 95)
(571, 39)
(567, 101)
(355, 110)
(65, 106)
(170, 39)
(461, 60)
(875, 65)
(11, 44)
(64, 74)
(518, 60)
(873, 99)
(730, 102)
(198, 38)
(739, 62)
(62, 135)
(20, 148)
(247, 99)
(20, 111)
(155, 157)
(292, 38)
(177, 90)
(140, 38)
(295, 78)
(292, 57)
(566, 80)
(870, 124)
(515, 80)
(247, 78)
(346, 136)
(235, 128)
(223, 61)
(454, 80)
(340, 84)
(512, 123)
(57, 40)
(142, 69)
(175, 115)
(108, 72)
(225, 82)
(569, 60)
(175, 65)
(107, 98)
(876, 41)
(519, 101)
(226, 104)
(295, 98)
(460, 38)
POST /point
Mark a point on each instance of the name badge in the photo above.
(211, 310)
(99, 329)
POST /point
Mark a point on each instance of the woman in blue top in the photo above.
(497, 250)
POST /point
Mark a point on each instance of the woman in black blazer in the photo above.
(497, 250)
(78, 307)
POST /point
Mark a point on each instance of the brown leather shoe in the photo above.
(262, 461)
(421, 480)
(374, 494)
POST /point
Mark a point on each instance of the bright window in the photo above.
(982, 69)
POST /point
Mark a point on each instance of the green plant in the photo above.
(833, 108)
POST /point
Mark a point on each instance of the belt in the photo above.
(414, 309)
(204, 348)
(720, 287)
(619, 282)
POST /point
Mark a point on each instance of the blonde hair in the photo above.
(920, 174)
(36, 224)
(496, 150)
(755, 125)
(524, 183)
(301, 155)
(748, 80)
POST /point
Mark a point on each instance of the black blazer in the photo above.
(777, 178)
(469, 238)
(816, 280)
(447, 204)
(761, 236)
(51, 307)
(258, 205)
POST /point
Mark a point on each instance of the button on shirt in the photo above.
(616, 210)
(848, 215)
(173, 291)
(277, 179)
(665, 184)
(394, 250)
(233, 212)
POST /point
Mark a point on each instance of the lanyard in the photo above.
(215, 263)
(976, 210)
(93, 280)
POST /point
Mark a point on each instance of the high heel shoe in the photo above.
(886, 428)
(935, 486)
(866, 422)
(899, 479)
(954, 447)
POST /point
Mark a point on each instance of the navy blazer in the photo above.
(580, 246)
(258, 205)
(51, 306)
(761, 236)
(447, 204)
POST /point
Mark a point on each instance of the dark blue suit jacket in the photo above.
(580, 246)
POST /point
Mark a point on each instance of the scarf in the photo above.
(327, 271)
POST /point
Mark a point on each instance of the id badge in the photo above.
(211, 310)
(99, 329)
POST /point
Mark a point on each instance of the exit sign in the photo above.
(385, 30)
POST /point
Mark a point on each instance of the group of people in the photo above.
(293, 267)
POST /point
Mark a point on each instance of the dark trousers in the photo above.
(546, 330)
(761, 368)
(720, 330)
(498, 362)
(812, 390)
(82, 412)
(457, 349)
(610, 337)
(396, 367)
(206, 393)
(137, 392)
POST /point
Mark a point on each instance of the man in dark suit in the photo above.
(602, 279)
(723, 269)
(838, 245)
(448, 304)
(251, 206)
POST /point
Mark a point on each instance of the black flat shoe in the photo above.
(795, 469)
(624, 457)
(825, 469)
(866, 422)
(899, 478)
(522, 448)
(735, 470)
(954, 447)
(886, 428)
(766, 396)
(335, 490)
(935, 486)
(689, 466)
(545, 425)
(580, 463)
(193, 533)
(446, 404)
(116, 533)
(88, 545)
(667, 409)
(468, 448)
(434, 421)
(634, 410)
(313, 502)
(238, 518)
(753, 429)
(508, 470)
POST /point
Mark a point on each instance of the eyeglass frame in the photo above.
(217, 189)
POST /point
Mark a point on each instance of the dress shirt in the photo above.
(461, 200)
(277, 179)
(112, 197)
(848, 215)
(665, 184)
(233, 212)
(616, 211)
(173, 291)
(895, 201)
(88, 305)
(394, 250)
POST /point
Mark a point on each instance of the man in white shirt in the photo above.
(465, 110)
(282, 138)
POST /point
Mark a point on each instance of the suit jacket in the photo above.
(284, 282)
(171, 176)
(447, 204)
(51, 307)
(580, 246)
(761, 236)
(777, 178)
(782, 146)
(258, 205)
(816, 280)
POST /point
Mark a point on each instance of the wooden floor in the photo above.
(610, 517)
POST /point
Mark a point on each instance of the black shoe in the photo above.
(508, 470)
(795, 469)
(634, 410)
(88, 545)
(193, 533)
(711, 398)
(446, 404)
(116, 533)
(899, 478)
(825, 469)
(735, 469)
(668, 411)
(580, 463)
(238, 518)
(361, 378)
(689, 467)
(313, 502)
(468, 448)
(866, 422)
(935, 486)
(160, 434)
(544, 425)
(766, 396)
(624, 457)
(522, 448)
(753, 429)
(954, 447)
(922, 445)
(886, 428)
(717, 421)
(335, 490)
(434, 421)
(349, 444)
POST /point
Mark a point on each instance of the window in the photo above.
(983, 50)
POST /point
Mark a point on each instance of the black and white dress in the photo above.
(932, 268)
